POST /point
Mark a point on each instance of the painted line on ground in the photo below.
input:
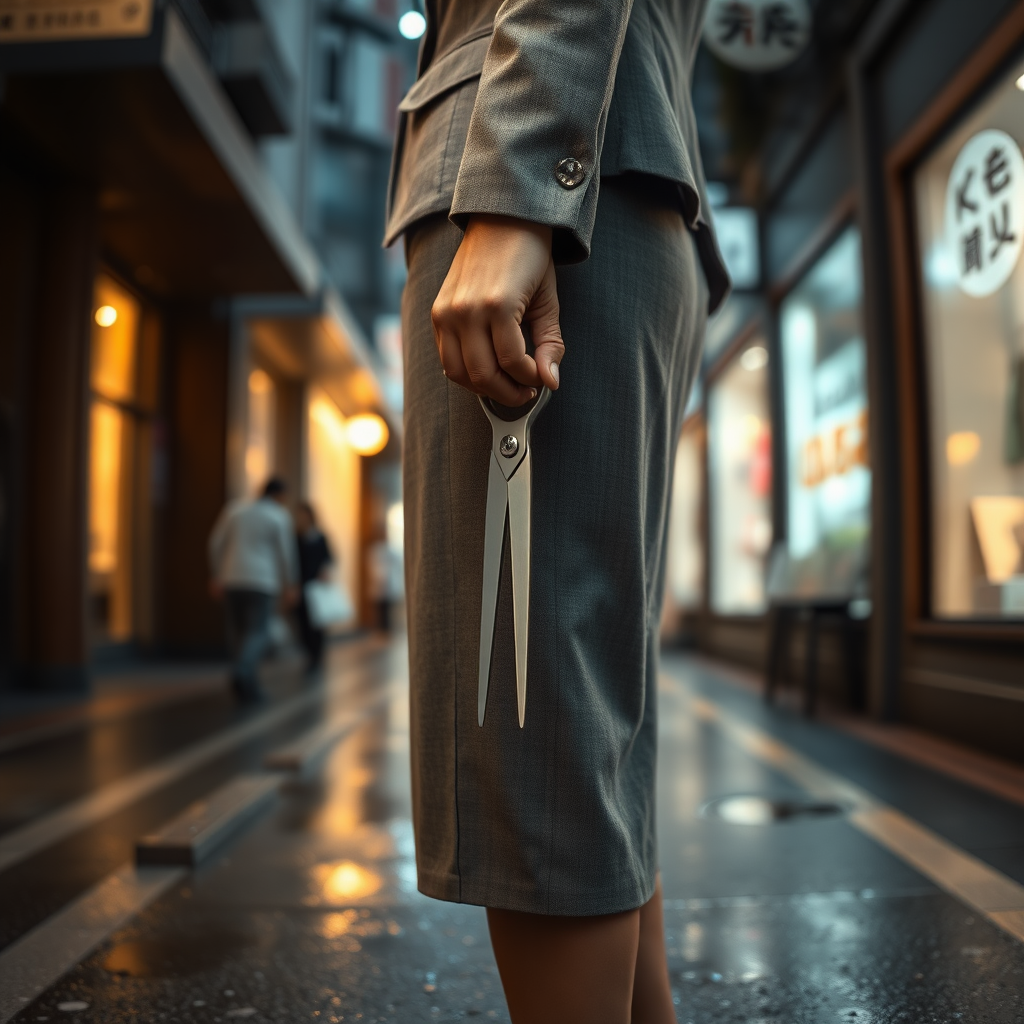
(33, 963)
(38, 959)
(109, 799)
(303, 753)
(204, 826)
(112, 708)
(23, 842)
(959, 873)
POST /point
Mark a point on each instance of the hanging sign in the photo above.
(985, 211)
(26, 21)
(757, 35)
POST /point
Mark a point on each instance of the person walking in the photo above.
(548, 185)
(253, 564)
(315, 560)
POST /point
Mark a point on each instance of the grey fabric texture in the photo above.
(557, 817)
(508, 88)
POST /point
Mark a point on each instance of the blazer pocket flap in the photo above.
(454, 68)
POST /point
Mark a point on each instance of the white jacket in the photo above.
(253, 547)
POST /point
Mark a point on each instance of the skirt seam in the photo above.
(455, 643)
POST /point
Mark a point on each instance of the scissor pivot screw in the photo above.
(509, 445)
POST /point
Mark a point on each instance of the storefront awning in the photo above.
(317, 340)
(187, 208)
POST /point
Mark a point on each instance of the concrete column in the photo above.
(199, 344)
(56, 520)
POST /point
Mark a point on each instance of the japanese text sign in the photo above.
(25, 21)
(757, 35)
(985, 211)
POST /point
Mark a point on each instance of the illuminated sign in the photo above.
(25, 21)
(757, 35)
(985, 211)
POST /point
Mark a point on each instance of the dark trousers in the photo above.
(248, 627)
(312, 638)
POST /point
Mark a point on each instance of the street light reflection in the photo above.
(346, 880)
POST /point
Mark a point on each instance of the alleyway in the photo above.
(823, 891)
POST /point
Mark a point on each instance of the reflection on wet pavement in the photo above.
(314, 915)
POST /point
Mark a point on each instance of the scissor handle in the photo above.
(511, 429)
(508, 413)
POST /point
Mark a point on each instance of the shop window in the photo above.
(740, 482)
(685, 569)
(969, 200)
(828, 480)
(334, 484)
(260, 431)
(116, 383)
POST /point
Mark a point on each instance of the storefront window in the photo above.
(334, 484)
(828, 480)
(685, 570)
(112, 444)
(260, 430)
(740, 482)
(969, 199)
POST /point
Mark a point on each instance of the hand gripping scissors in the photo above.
(509, 488)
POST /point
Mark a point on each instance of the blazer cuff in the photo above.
(535, 195)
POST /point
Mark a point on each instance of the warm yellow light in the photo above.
(260, 383)
(1020, 83)
(106, 316)
(962, 447)
(367, 433)
(347, 880)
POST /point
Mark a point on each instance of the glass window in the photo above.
(112, 456)
(828, 480)
(334, 475)
(740, 481)
(115, 341)
(969, 200)
(260, 429)
(685, 570)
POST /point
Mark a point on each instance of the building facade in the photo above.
(195, 293)
(854, 447)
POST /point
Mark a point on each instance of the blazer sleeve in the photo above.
(534, 144)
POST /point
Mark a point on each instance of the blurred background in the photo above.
(194, 298)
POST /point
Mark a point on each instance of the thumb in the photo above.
(542, 316)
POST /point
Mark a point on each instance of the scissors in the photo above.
(509, 484)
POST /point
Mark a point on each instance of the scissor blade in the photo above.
(494, 538)
(519, 493)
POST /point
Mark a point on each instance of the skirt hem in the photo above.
(447, 888)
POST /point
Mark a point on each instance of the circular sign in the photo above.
(757, 35)
(985, 211)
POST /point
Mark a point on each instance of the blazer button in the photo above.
(569, 172)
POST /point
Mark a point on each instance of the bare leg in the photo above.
(566, 970)
(652, 991)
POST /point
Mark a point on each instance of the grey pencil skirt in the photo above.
(557, 817)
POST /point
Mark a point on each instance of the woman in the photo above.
(548, 184)
(314, 561)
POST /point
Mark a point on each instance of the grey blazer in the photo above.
(520, 107)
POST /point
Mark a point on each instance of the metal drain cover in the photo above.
(747, 809)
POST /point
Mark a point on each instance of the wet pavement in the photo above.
(312, 914)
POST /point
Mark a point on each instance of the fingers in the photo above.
(469, 359)
(502, 275)
(543, 317)
(510, 350)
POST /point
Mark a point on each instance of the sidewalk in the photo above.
(313, 915)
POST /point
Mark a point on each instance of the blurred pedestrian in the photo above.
(253, 565)
(315, 561)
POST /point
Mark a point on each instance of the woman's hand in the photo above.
(501, 278)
